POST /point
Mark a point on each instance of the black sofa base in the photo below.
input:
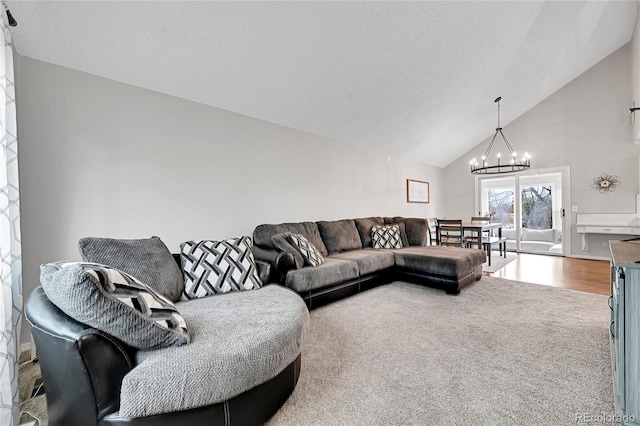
(253, 407)
(320, 297)
(83, 368)
(447, 283)
(451, 285)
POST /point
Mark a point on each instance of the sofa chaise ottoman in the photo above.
(452, 268)
(352, 264)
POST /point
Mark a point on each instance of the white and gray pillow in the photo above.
(149, 260)
(218, 267)
(114, 302)
(309, 252)
(386, 237)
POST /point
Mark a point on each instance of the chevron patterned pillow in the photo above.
(311, 254)
(386, 237)
(114, 302)
(217, 267)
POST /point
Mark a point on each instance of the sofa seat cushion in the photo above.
(368, 260)
(449, 261)
(240, 340)
(332, 271)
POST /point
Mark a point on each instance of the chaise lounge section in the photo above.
(352, 264)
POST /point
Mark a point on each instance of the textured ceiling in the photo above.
(416, 79)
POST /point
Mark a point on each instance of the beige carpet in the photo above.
(32, 407)
(501, 353)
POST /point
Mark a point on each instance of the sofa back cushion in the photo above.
(339, 235)
(263, 233)
(403, 234)
(417, 229)
(545, 235)
(364, 226)
(509, 234)
(149, 260)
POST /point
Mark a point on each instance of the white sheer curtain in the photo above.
(10, 251)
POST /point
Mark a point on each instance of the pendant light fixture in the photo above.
(509, 165)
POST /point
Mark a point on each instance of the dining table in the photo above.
(478, 228)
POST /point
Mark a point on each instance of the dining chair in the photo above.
(449, 232)
(480, 219)
(471, 240)
(432, 223)
(488, 239)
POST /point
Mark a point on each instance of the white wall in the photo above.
(584, 125)
(101, 158)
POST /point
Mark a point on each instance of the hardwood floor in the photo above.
(591, 276)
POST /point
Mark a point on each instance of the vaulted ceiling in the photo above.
(416, 79)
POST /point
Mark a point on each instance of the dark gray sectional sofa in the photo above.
(352, 264)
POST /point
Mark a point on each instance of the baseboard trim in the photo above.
(29, 347)
(589, 257)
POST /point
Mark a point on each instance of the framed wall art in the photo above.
(417, 191)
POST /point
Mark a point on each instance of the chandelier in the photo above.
(512, 164)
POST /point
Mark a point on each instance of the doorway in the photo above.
(531, 207)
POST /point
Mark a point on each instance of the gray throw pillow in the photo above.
(218, 267)
(282, 243)
(114, 302)
(149, 260)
